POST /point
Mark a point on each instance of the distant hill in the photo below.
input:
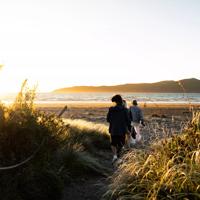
(186, 85)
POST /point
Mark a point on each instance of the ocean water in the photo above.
(105, 97)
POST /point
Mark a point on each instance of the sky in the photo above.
(62, 43)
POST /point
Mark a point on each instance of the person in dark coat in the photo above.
(119, 125)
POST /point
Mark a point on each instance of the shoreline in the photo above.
(93, 104)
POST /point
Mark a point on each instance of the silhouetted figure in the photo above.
(119, 125)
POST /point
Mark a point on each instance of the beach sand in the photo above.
(162, 120)
(96, 111)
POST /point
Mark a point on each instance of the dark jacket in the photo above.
(119, 120)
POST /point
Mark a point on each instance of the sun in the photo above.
(8, 81)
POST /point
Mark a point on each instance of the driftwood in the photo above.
(62, 111)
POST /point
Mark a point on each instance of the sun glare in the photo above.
(8, 80)
(89, 45)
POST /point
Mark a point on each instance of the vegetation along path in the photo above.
(64, 159)
(94, 186)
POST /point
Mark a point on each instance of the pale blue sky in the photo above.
(60, 43)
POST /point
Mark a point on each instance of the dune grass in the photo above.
(171, 170)
(92, 136)
(50, 152)
(39, 153)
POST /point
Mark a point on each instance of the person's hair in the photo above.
(117, 99)
(135, 102)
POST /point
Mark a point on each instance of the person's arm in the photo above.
(141, 118)
(108, 116)
(128, 119)
(130, 115)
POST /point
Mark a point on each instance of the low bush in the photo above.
(40, 152)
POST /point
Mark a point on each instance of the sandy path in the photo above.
(90, 187)
(94, 187)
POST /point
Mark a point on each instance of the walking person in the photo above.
(136, 119)
(119, 124)
(130, 137)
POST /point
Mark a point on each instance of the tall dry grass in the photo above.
(170, 170)
(39, 153)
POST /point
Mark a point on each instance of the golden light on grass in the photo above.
(69, 150)
(170, 169)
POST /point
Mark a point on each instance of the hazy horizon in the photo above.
(58, 43)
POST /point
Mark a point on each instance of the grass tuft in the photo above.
(40, 152)
(171, 170)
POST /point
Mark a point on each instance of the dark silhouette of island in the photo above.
(191, 85)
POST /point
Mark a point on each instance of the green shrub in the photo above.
(49, 151)
(30, 136)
